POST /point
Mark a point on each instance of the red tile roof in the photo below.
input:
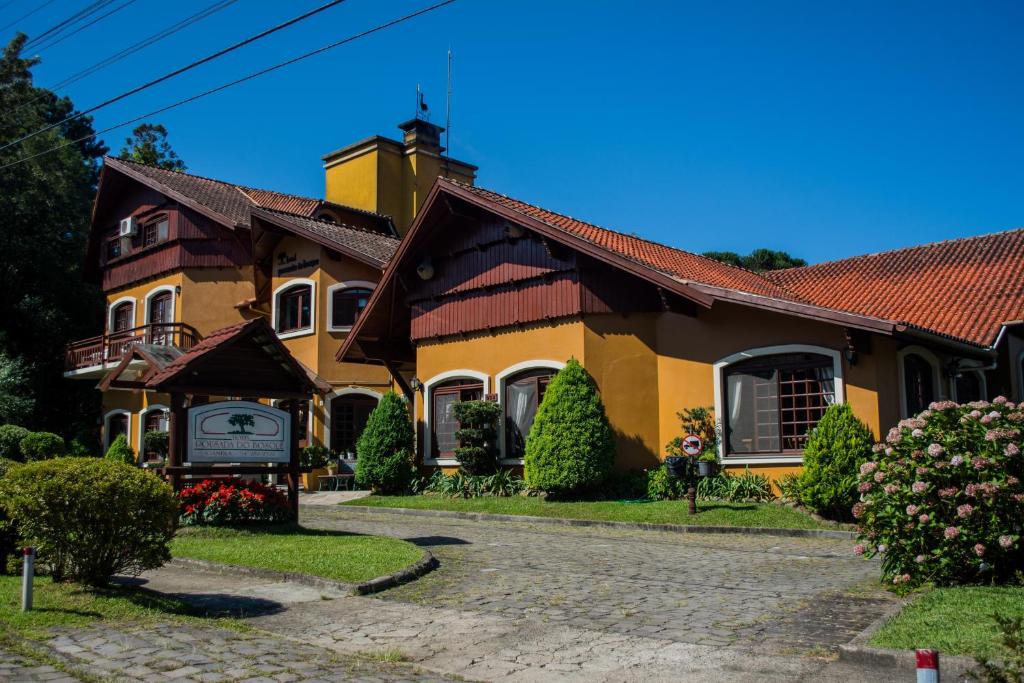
(676, 263)
(964, 288)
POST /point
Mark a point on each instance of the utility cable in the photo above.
(132, 49)
(225, 86)
(60, 39)
(81, 14)
(177, 72)
(26, 16)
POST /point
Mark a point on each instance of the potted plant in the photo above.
(316, 458)
(707, 464)
(700, 422)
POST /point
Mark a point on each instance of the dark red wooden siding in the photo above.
(484, 280)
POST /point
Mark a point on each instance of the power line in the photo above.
(69, 21)
(225, 86)
(26, 16)
(178, 72)
(132, 49)
(7, 4)
(60, 39)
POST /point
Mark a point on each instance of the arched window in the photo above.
(443, 424)
(772, 401)
(293, 305)
(159, 315)
(349, 414)
(122, 316)
(523, 393)
(115, 423)
(347, 302)
(918, 383)
(154, 231)
(154, 419)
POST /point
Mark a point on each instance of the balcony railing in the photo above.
(109, 349)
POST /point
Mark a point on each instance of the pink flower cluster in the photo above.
(964, 511)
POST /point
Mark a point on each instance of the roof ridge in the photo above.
(897, 250)
(168, 170)
(347, 226)
(619, 232)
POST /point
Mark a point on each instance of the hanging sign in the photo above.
(238, 431)
(692, 445)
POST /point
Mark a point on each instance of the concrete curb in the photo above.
(425, 564)
(859, 652)
(673, 528)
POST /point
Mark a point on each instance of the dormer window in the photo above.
(155, 231)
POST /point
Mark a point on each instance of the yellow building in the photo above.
(179, 256)
(497, 294)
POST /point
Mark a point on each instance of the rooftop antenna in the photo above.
(448, 118)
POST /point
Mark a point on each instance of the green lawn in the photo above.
(331, 554)
(66, 604)
(651, 512)
(954, 621)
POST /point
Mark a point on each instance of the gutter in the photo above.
(953, 343)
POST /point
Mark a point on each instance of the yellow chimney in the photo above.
(391, 177)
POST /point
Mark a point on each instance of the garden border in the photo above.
(646, 526)
(424, 565)
(859, 652)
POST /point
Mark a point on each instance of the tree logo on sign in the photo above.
(241, 420)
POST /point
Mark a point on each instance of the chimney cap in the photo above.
(421, 125)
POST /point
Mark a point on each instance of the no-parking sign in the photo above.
(692, 445)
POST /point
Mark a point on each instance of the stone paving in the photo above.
(515, 602)
(15, 667)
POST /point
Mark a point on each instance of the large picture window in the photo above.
(295, 308)
(772, 402)
(347, 304)
(443, 424)
(523, 394)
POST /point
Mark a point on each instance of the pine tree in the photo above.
(835, 450)
(570, 446)
(385, 448)
(148, 145)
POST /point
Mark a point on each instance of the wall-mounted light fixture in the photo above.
(415, 384)
(177, 289)
(514, 231)
(425, 270)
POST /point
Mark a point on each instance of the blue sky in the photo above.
(825, 129)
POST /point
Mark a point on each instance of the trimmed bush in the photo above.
(660, 486)
(8, 531)
(10, 442)
(232, 502)
(157, 442)
(570, 446)
(42, 446)
(944, 499)
(836, 448)
(120, 451)
(385, 448)
(91, 518)
(315, 456)
(477, 434)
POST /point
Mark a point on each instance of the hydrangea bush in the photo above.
(942, 500)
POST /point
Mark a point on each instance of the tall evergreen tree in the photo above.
(758, 260)
(45, 206)
(148, 145)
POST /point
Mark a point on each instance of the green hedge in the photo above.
(42, 446)
(570, 446)
(10, 442)
(90, 518)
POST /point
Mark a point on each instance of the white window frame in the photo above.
(500, 381)
(106, 426)
(719, 370)
(157, 290)
(304, 331)
(942, 389)
(142, 425)
(113, 306)
(428, 400)
(351, 284)
(328, 407)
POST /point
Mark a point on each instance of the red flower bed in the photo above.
(233, 501)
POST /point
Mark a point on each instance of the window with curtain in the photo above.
(772, 402)
(347, 304)
(523, 394)
(918, 383)
(443, 424)
(295, 308)
(154, 231)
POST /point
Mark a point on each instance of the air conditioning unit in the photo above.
(129, 227)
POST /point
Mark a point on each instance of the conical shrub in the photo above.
(385, 448)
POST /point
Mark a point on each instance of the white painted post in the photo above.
(927, 666)
(27, 576)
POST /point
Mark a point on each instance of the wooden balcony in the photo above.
(91, 357)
